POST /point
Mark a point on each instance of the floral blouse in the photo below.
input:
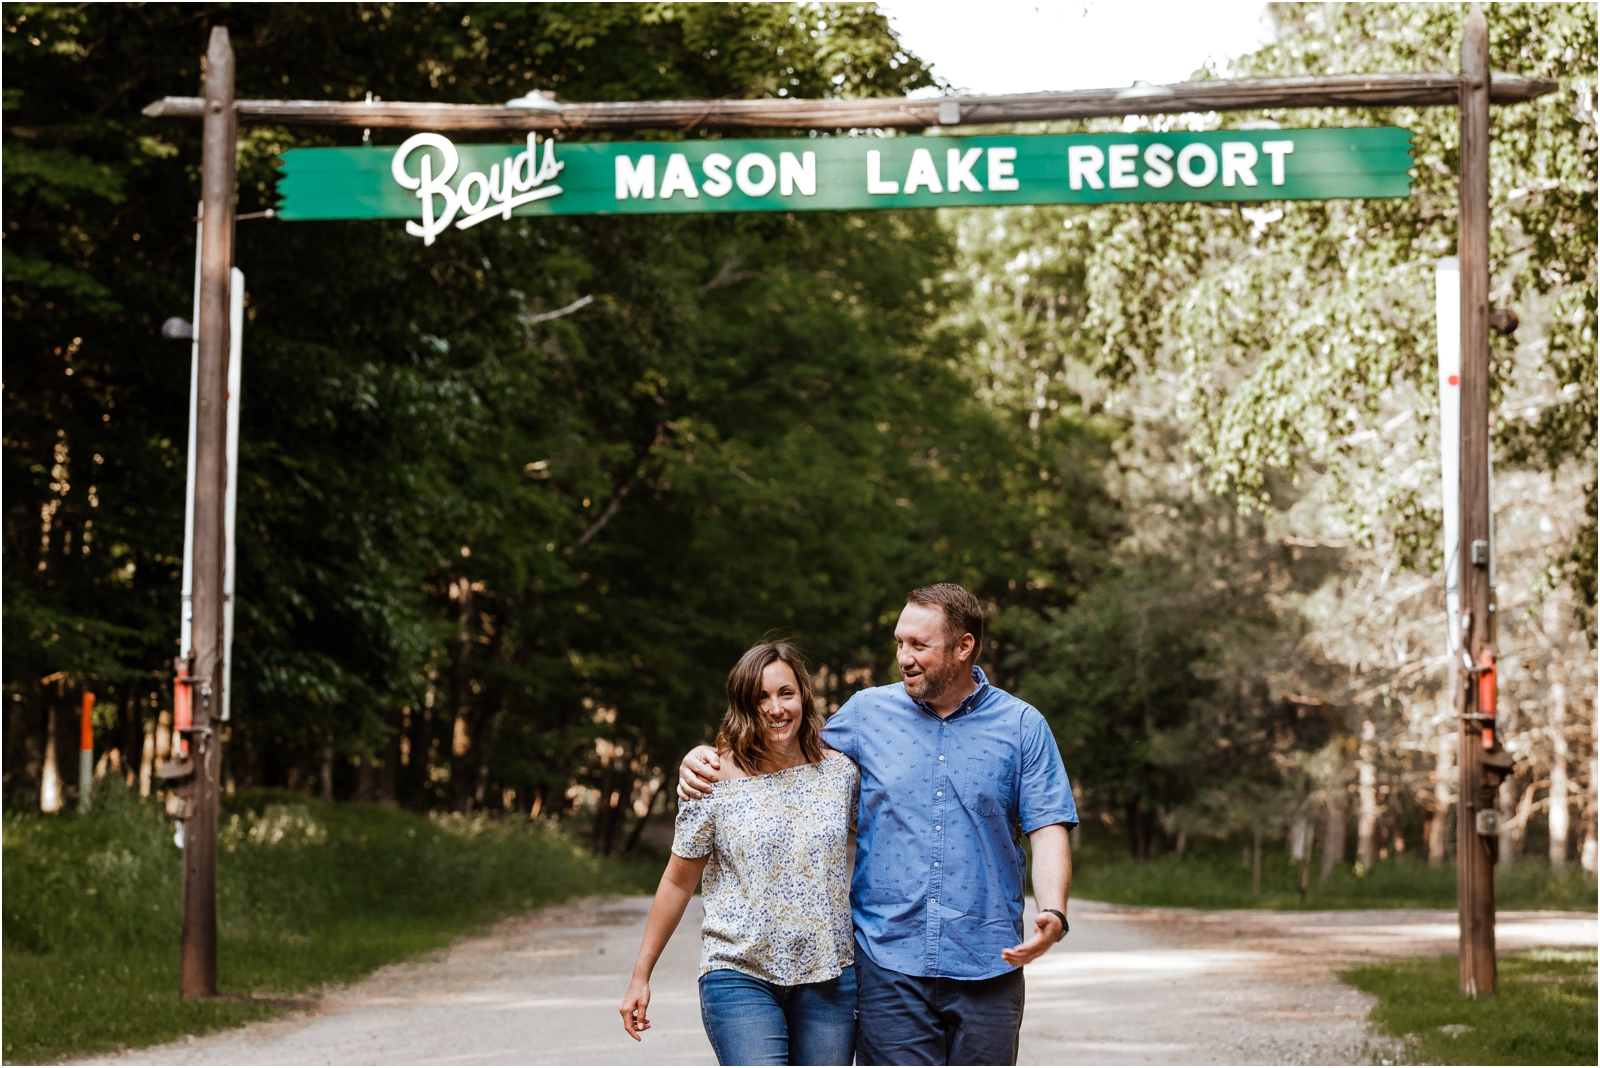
(777, 893)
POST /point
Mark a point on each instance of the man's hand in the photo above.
(1052, 883)
(634, 1007)
(1046, 933)
(697, 773)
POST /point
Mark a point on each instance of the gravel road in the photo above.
(1129, 986)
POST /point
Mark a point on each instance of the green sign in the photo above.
(437, 184)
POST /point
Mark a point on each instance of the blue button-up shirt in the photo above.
(937, 889)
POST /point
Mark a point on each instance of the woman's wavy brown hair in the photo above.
(741, 733)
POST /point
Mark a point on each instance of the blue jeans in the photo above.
(752, 1021)
(914, 1019)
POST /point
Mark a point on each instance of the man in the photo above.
(951, 769)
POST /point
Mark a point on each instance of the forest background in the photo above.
(496, 559)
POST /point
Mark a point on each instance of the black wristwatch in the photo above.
(1058, 914)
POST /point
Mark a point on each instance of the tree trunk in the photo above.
(602, 807)
(12, 743)
(389, 770)
(50, 774)
(1255, 864)
(1367, 791)
(638, 827)
(1299, 838)
(1443, 776)
(1557, 634)
(420, 751)
(1558, 776)
(365, 780)
(616, 812)
(133, 741)
(1590, 856)
(325, 775)
(1138, 846)
(1333, 836)
(464, 727)
(1506, 802)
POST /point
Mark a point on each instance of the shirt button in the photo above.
(937, 827)
(939, 794)
(941, 756)
(936, 864)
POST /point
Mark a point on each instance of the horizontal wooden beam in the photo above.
(1346, 90)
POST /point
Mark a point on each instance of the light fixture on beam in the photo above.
(1142, 90)
(534, 100)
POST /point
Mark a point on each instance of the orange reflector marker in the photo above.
(182, 711)
(1487, 694)
(86, 735)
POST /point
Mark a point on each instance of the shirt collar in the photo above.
(972, 700)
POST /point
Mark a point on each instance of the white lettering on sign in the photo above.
(1197, 165)
(749, 185)
(1124, 158)
(518, 180)
(1277, 150)
(1207, 171)
(876, 186)
(1083, 165)
(717, 183)
(1158, 158)
(1238, 161)
(755, 174)
(677, 178)
(636, 180)
(1000, 170)
(797, 173)
(958, 170)
(922, 173)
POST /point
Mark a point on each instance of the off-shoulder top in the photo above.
(777, 892)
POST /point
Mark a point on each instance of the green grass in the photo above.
(1214, 877)
(307, 895)
(1544, 1013)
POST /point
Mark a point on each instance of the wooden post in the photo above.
(198, 950)
(1474, 851)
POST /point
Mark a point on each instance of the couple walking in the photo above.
(919, 960)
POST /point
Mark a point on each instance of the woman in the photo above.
(777, 976)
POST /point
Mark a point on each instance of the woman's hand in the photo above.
(634, 1007)
(672, 897)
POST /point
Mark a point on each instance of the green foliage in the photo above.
(1155, 679)
(1266, 358)
(1297, 336)
(307, 894)
(527, 548)
(1544, 1012)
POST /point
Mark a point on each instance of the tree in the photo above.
(487, 557)
(1290, 348)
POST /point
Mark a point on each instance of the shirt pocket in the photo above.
(991, 786)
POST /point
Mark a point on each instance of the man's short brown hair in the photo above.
(962, 612)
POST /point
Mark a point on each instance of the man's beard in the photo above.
(934, 681)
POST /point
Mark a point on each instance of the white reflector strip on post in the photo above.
(231, 498)
(186, 615)
(1447, 299)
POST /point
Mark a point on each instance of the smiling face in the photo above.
(930, 662)
(781, 705)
